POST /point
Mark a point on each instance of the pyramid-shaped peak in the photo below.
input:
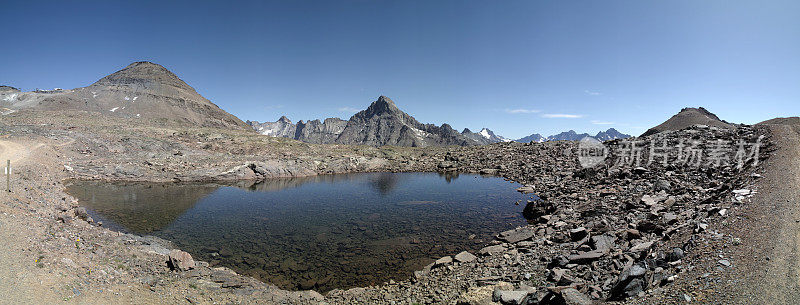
(284, 119)
(381, 106)
(144, 73)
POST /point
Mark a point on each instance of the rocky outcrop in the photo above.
(320, 132)
(283, 127)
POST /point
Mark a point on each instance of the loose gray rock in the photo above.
(515, 297)
(630, 282)
(517, 235)
(603, 242)
(585, 257)
(443, 261)
(81, 213)
(492, 250)
(574, 297)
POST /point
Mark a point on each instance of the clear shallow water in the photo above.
(323, 232)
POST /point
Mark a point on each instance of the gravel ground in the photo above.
(52, 255)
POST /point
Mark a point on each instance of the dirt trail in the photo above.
(12, 151)
(782, 283)
(767, 265)
(22, 279)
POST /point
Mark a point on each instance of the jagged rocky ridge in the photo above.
(382, 123)
(142, 90)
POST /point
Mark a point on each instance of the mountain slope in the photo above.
(688, 117)
(141, 90)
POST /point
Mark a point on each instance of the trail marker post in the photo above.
(8, 175)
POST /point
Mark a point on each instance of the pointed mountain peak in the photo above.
(384, 102)
(466, 130)
(382, 106)
(285, 119)
(384, 99)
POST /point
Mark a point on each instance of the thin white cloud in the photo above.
(595, 93)
(348, 109)
(520, 110)
(596, 122)
(561, 116)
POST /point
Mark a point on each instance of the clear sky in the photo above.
(516, 67)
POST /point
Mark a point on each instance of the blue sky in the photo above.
(517, 67)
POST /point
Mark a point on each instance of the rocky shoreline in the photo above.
(617, 233)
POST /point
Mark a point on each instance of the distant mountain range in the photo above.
(382, 123)
(483, 137)
(571, 135)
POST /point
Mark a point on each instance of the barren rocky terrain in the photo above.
(620, 232)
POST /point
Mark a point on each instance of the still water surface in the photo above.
(323, 232)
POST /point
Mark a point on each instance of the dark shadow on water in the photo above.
(449, 176)
(140, 208)
(384, 183)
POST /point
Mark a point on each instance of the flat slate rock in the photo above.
(517, 235)
(585, 257)
(492, 250)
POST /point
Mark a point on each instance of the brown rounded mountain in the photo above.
(142, 90)
(689, 117)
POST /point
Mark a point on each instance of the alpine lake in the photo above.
(322, 232)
